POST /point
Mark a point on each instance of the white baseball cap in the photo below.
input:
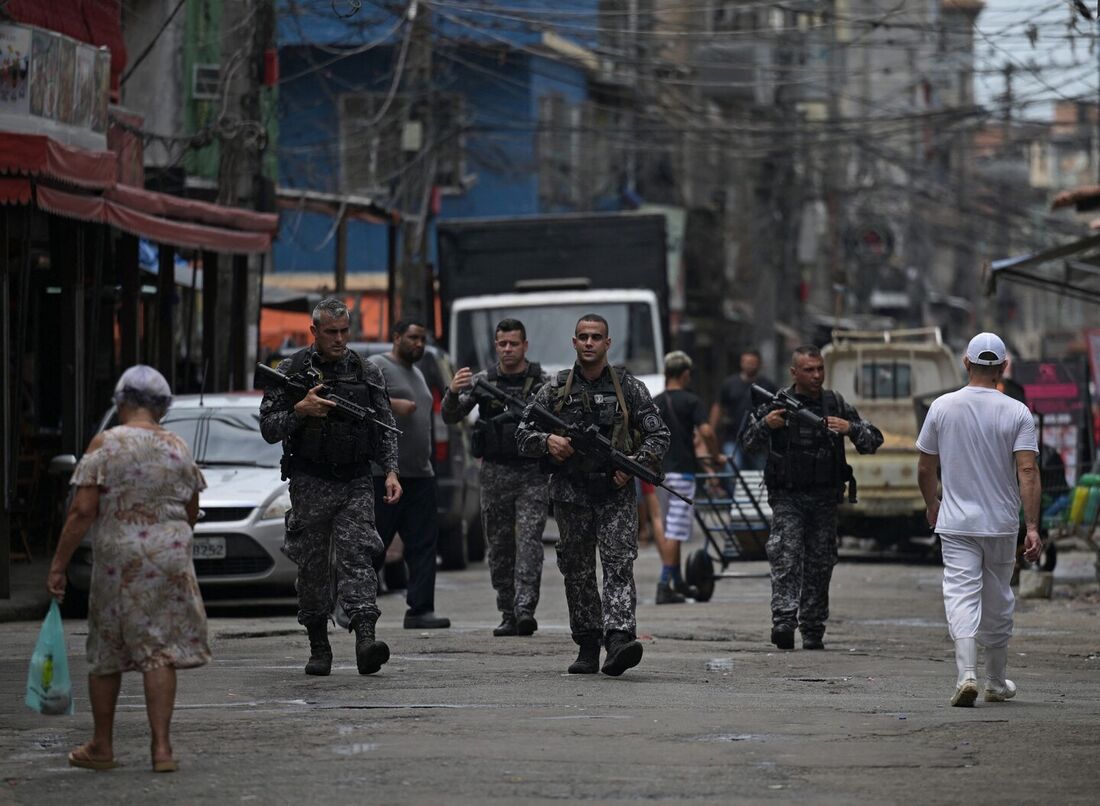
(986, 349)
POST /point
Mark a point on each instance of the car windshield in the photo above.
(549, 328)
(227, 436)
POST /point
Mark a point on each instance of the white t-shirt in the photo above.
(975, 431)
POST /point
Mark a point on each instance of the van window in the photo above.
(550, 331)
(884, 380)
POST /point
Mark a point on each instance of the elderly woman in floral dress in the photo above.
(139, 486)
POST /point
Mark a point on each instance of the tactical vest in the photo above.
(335, 445)
(494, 433)
(804, 459)
(604, 406)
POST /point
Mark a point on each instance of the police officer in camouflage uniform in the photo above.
(327, 457)
(513, 489)
(806, 473)
(596, 507)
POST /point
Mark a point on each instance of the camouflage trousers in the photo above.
(330, 535)
(610, 526)
(513, 513)
(802, 552)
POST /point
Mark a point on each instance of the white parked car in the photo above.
(241, 512)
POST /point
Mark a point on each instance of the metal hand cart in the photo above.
(731, 507)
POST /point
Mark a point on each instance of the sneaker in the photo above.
(965, 694)
(783, 639)
(507, 625)
(426, 621)
(667, 595)
(997, 693)
(526, 624)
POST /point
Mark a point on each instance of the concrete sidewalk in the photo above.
(29, 599)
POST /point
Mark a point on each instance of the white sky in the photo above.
(1065, 59)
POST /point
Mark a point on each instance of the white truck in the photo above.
(885, 374)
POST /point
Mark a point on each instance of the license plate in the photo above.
(208, 548)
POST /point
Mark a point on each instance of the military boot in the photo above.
(623, 652)
(320, 652)
(526, 624)
(507, 625)
(588, 658)
(369, 653)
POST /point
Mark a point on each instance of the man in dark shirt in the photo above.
(733, 406)
(684, 414)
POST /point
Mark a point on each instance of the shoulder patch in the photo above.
(652, 422)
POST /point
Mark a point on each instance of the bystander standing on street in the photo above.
(686, 417)
(729, 414)
(415, 516)
(983, 445)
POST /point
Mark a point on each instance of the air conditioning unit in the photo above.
(742, 72)
(205, 80)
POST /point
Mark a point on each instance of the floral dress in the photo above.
(144, 609)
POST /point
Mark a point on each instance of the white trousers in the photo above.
(977, 596)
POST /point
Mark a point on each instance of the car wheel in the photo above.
(451, 548)
(475, 540)
(396, 575)
(75, 603)
(699, 572)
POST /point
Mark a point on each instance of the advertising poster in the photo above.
(15, 66)
(84, 87)
(66, 78)
(101, 89)
(1057, 391)
(45, 48)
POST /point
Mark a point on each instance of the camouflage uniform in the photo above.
(332, 505)
(802, 546)
(591, 513)
(513, 496)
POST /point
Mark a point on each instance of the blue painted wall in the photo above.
(488, 60)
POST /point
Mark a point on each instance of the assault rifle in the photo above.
(303, 383)
(783, 399)
(585, 441)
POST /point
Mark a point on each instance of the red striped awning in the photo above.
(38, 155)
(104, 210)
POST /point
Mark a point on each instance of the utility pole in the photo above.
(414, 194)
(241, 183)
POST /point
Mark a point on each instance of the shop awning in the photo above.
(162, 204)
(14, 190)
(39, 155)
(1072, 269)
(108, 209)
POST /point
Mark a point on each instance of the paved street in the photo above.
(713, 713)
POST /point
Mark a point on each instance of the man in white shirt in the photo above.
(983, 443)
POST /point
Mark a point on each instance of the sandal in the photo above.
(80, 758)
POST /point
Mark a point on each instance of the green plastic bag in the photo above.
(49, 687)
